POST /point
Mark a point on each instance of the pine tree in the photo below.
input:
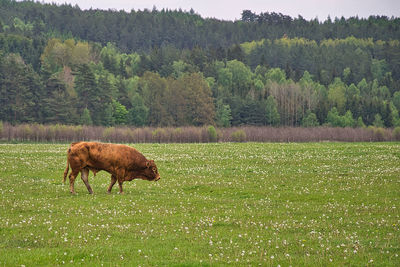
(378, 122)
(86, 88)
(108, 119)
(57, 106)
(310, 120)
(86, 119)
(223, 115)
(138, 114)
(119, 113)
(18, 86)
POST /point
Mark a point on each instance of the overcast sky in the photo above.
(232, 9)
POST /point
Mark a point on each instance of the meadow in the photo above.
(244, 204)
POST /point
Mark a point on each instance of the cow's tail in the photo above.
(66, 169)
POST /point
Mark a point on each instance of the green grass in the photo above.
(311, 204)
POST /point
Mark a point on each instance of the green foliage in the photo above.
(396, 100)
(238, 136)
(348, 119)
(18, 85)
(271, 112)
(259, 85)
(119, 113)
(86, 119)
(241, 77)
(378, 122)
(223, 115)
(58, 54)
(108, 118)
(394, 115)
(336, 120)
(310, 120)
(53, 66)
(396, 133)
(179, 68)
(276, 75)
(336, 94)
(22, 27)
(138, 114)
(225, 77)
(378, 68)
(360, 122)
(212, 134)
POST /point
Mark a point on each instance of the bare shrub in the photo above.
(378, 133)
(238, 136)
(396, 133)
(159, 135)
(212, 134)
(107, 134)
(190, 134)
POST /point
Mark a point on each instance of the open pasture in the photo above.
(311, 204)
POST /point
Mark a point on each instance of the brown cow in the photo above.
(123, 162)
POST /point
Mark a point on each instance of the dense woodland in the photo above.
(63, 65)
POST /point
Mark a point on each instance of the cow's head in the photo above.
(151, 172)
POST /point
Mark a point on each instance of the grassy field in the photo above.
(312, 204)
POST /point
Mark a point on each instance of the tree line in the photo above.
(142, 30)
(50, 76)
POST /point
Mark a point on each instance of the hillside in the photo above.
(60, 64)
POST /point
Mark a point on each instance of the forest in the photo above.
(171, 68)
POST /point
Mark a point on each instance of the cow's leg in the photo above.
(85, 179)
(113, 181)
(72, 177)
(120, 181)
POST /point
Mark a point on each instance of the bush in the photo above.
(238, 136)
(27, 132)
(360, 123)
(310, 120)
(378, 133)
(396, 134)
(86, 119)
(159, 135)
(212, 134)
(335, 120)
(378, 122)
(108, 133)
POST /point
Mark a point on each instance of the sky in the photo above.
(232, 9)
